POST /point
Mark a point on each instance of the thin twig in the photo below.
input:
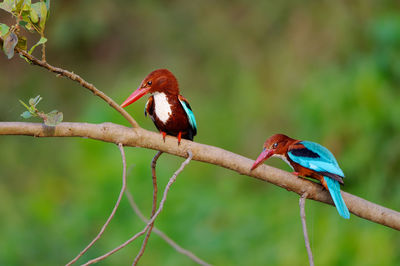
(121, 193)
(161, 234)
(71, 75)
(160, 208)
(302, 203)
(43, 51)
(154, 208)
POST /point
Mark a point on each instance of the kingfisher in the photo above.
(308, 159)
(170, 111)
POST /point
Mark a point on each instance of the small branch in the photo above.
(164, 198)
(171, 242)
(72, 76)
(138, 137)
(302, 203)
(43, 51)
(154, 208)
(121, 193)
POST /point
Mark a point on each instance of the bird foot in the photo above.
(324, 184)
(179, 137)
(163, 135)
(296, 173)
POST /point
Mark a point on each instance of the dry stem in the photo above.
(302, 203)
(154, 208)
(171, 242)
(162, 202)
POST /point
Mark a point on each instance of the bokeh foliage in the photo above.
(326, 71)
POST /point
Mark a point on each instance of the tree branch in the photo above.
(138, 137)
(72, 76)
(121, 193)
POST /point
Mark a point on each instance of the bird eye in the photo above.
(275, 145)
(149, 83)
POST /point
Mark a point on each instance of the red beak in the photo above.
(265, 154)
(137, 94)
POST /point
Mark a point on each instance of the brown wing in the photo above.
(149, 108)
(190, 116)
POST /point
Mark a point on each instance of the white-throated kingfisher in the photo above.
(308, 159)
(170, 111)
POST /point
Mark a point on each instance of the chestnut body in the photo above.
(177, 120)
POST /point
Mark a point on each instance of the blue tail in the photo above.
(334, 190)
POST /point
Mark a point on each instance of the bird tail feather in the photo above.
(334, 190)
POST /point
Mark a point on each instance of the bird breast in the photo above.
(162, 107)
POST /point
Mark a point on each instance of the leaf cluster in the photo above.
(52, 118)
(28, 15)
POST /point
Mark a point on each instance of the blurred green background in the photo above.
(326, 71)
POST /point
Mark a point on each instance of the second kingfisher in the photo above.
(308, 159)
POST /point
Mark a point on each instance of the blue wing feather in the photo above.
(334, 190)
(189, 113)
(318, 158)
(325, 162)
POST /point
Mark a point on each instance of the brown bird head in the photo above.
(160, 80)
(275, 145)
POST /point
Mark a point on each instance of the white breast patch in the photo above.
(162, 107)
(283, 157)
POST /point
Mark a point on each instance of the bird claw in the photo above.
(179, 137)
(163, 135)
(296, 173)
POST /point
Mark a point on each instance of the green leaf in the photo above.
(7, 5)
(34, 17)
(28, 15)
(41, 11)
(26, 115)
(4, 29)
(35, 101)
(47, 2)
(23, 23)
(43, 15)
(22, 43)
(17, 8)
(53, 118)
(27, 5)
(27, 25)
(24, 104)
(9, 44)
(41, 41)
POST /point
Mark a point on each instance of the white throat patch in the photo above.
(283, 157)
(162, 107)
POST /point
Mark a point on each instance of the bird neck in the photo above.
(284, 158)
(168, 90)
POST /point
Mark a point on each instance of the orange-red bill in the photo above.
(264, 155)
(137, 94)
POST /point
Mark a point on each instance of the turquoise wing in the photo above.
(334, 190)
(189, 113)
(315, 157)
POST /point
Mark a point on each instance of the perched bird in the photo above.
(170, 111)
(308, 159)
